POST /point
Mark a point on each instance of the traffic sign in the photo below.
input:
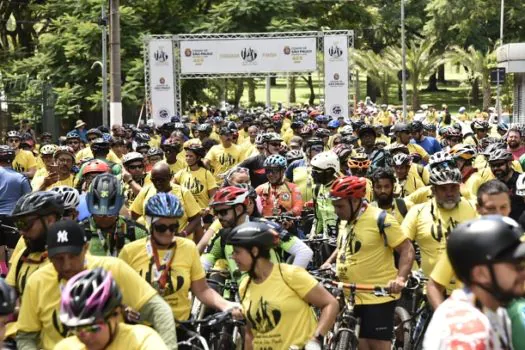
(497, 74)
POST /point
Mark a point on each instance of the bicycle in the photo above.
(345, 334)
(320, 249)
(214, 324)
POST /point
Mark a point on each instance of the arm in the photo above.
(248, 337)
(27, 341)
(30, 173)
(330, 260)
(208, 296)
(435, 292)
(406, 259)
(301, 252)
(157, 312)
(203, 243)
(322, 299)
(194, 226)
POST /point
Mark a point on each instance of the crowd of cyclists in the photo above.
(135, 237)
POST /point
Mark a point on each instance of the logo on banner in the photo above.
(248, 54)
(160, 56)
(163, 113)
(335, 51)
(287, 50)
(187, 52)
(336, 76)
(336, 81)
(162, 86)
(336, 110)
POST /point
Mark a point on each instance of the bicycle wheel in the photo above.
(401, 329)
(346, 340)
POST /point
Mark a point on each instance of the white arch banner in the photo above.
(336, 75)
(273, 55)
(162, 80)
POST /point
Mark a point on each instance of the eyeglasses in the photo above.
(90, 139)
(64, 160)
(13, 140)
(25, 224)
(221, 212)
(135, 167)
(163, 228)
(273, 170)
(92, 329)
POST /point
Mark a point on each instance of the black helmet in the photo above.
(155, 151)
(105, 195)
(366, 128)
(197, 149)
(7, 153)
(41, 203)
(99, 144)
(7, 298)
(479, 125)
(253, 234)
(95, 132)
(416, 126)
(142, 137)
(313, 141)
(400, 127)
(205, 128)
(89, 296)
(322, 132)
(14, 134)
(485, 240)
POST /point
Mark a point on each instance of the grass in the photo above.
(453, 93)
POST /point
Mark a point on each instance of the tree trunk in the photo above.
(384, 92)
(487, 96)
(357, 89)
(310, 84)
(239, 89)
(415, 94)
(251, 91)
(475, 93)
(432, 83)
(371, 89)
(441, 74)
(291, 97)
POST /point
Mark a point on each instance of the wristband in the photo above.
(129, 181)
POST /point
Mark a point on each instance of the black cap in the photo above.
(66, 236)
(225, 131)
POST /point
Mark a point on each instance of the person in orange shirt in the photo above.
(278, 195)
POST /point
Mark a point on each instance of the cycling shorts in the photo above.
(377, 320)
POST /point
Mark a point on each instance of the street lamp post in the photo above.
(403, 58)
(115, 82)
(498, 89)
(104, 64)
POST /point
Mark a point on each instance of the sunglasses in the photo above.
(73, 142)
(135, 167)
(317, 149)
(25, 224)
(13, 140)
(221, 212)
(91, 329)
(273, 170)
(163, 228)
(275, 144)
(90, 139)
(497, 164)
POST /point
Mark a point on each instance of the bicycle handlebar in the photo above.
(356, 287)
(209, 321)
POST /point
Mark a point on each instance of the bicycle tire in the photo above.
(402, 335)
(346, 340)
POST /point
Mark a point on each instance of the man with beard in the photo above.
(481, 130)
(514, 143)
(383, 182)
(429, 223)
(430, 144)
(500, 162)
(60, 173)
(255, 164)
(407, 182)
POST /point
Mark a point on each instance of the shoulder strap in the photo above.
(420, 170)
(381, 225)
(401, 206)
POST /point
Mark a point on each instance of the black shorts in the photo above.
(377, 320)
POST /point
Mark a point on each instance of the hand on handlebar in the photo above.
(397, 285)
(236, 310)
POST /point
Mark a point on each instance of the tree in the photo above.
(378, 68)
(421, 61)
(478, 64)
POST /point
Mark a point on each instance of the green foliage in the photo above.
(378, 68)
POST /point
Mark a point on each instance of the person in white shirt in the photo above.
(488, 256)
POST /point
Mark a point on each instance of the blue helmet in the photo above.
(322, 119)
(105, 195)
(72, 135)
(165, 205)
(333, 124)
(503, 126)
(275, 161)
(107, 137)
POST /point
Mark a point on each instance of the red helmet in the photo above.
(95, 166)
(230, 195)
(348, 187)
(342, 151)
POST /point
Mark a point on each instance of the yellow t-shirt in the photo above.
(154, 141)
(303, 179)
(414, 148)
(84, 153)
(363, 257)
(287, 135)
(40, 307)
(278, 315)
(177, 166)
(191, 208)
(41, 171)
(443, 273)
(223, 159)
(38, 181)
(394, 210)
(185, 268)
(112, 157)
(199, 182)
(409, 186)
(132, 337)
(420, 171)
(429, 226)
(24, 160)
(424, 194)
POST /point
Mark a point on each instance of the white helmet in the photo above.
(520, 185)
(400, 159)
(326, 160)
(132, 156)
(69, 195)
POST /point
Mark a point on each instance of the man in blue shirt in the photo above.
(430, 144)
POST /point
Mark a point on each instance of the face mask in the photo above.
(323, 177)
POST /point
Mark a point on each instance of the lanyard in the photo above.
(160, 271)
(28, 260)
(344, 240)
(111, 248)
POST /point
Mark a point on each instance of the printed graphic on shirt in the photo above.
(194, 185)
(263, 317)
(227, 159)
(437, 232)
